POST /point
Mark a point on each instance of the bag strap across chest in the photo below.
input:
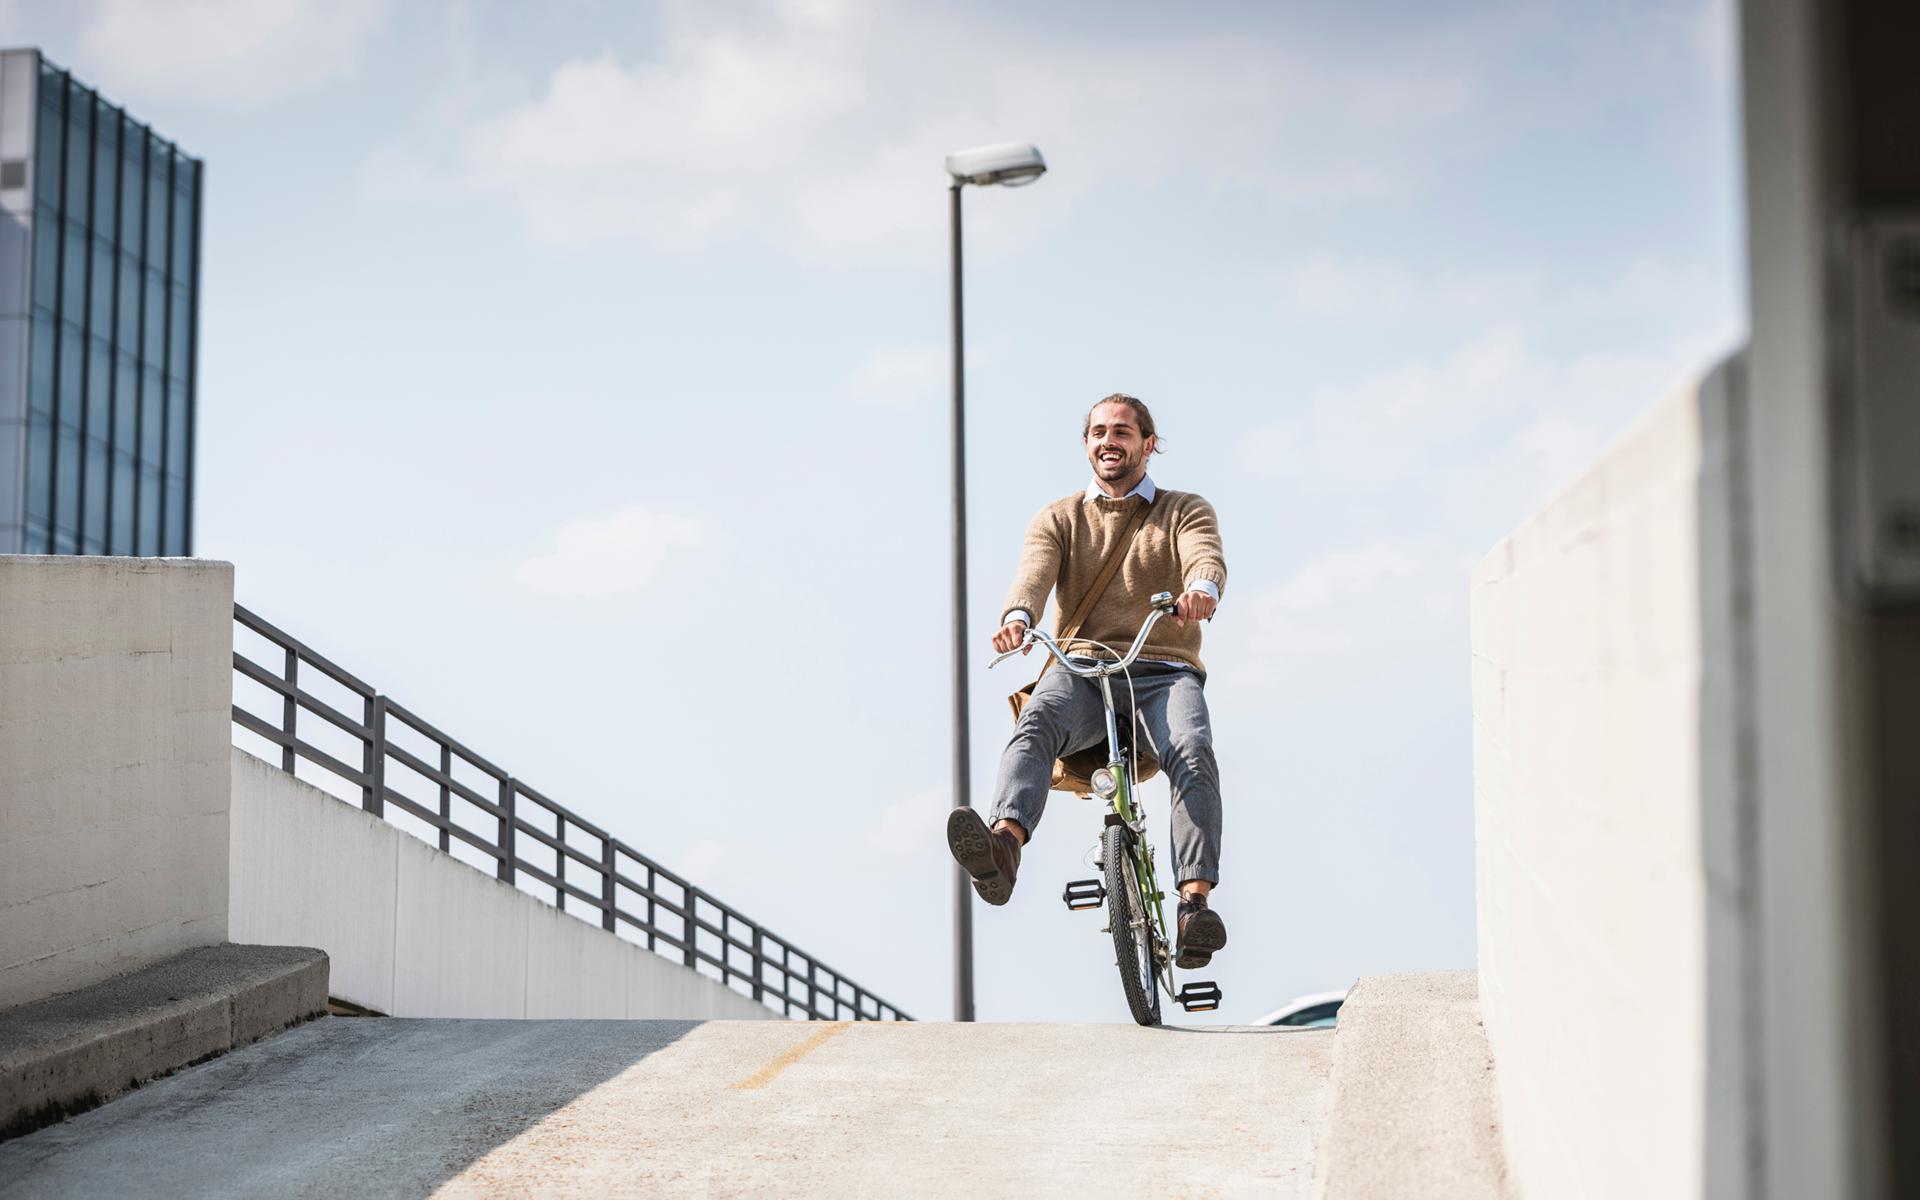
(1107, 571)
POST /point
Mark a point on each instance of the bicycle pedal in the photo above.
(1199, 997)
(1084, 893)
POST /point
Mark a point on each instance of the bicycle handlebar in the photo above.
(1162, 606)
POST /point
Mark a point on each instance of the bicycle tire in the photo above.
(1132, 954)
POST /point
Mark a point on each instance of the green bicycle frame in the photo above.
(1122, 804)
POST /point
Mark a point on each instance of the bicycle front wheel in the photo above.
(1132, 934)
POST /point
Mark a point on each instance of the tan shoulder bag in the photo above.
(1072, 774)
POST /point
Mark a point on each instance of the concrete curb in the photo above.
(68, 1053)
(1411, 1109)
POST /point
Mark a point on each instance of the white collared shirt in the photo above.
(1144, 488)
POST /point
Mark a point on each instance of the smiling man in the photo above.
(1176, 548)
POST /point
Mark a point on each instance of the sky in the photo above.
(577, 375)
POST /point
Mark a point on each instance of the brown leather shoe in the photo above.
(991, 856)
(1202, 932)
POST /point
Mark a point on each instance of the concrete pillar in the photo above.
(116, 694)
(1829, 91)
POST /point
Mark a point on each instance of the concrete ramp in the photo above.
(368, 1107)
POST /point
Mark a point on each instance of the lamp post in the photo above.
(1012, 164)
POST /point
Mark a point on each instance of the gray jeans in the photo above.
(1066, 714)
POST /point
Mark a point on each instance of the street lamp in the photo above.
(1011, 164)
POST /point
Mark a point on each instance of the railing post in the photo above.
(507, 831)
(373, 797)
(446, 798)
(759, 991)
(688, 893)
(607, 893)
(813, 990)
(290, 710)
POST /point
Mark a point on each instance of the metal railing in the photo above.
(522, 835)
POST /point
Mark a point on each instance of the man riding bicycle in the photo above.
(1172, 545)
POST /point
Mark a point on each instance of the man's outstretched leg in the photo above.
(1173, 708)
(1063, 715)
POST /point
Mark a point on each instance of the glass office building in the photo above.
(99, 302)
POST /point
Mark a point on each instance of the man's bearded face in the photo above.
(1114, 445)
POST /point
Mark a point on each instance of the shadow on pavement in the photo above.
(374, 1107)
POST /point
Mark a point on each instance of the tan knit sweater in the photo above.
(1068, 541)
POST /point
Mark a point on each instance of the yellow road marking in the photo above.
(789, 1056)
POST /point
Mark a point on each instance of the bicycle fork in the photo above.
(1121, 807)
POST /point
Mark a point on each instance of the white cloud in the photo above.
(1331, 578)
(1650, 290)
(1439, 457)
(893, 193)
(665, 148)
(1378, 428)
(1333, 285)
(1340, 617)
(1330, 285)
(609, 556)
(907, 827)
(764, 115)
(1253, 113)
(717, 104)
(1493, 420)
(226, 52)
(1326, 607)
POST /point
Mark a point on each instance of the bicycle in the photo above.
(1129, 886)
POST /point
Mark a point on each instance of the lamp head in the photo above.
(1010, 163)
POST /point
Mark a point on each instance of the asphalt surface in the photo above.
(375, 1107)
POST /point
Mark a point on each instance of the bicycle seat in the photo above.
(1074, 772)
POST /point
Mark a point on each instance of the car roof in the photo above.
(1309, 1000)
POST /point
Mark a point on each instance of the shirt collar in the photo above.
(1143, 488)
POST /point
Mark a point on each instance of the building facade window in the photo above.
(112, 287)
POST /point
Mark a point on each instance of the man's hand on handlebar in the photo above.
(1194, 606)
(1010, 636)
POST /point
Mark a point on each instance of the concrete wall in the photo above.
(413, 932)
(116, 692)
(1609, 818)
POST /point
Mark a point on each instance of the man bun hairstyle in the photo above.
(1140, 412)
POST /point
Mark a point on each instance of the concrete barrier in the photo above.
(115, 697)
(414, 932)
(69, 1052)
(1410, 1105)
(1610, 820)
